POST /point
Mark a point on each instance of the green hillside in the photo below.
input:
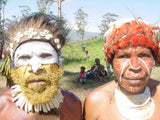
(74, 59)
(74, 56)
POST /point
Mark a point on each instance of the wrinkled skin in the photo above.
(135, 75)
(100, 103)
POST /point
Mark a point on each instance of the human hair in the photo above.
(39, 22)
(82, 67)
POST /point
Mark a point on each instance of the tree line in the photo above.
(81, 22)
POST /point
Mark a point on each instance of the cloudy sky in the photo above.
(148, 10)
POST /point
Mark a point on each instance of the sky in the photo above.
(148, 10)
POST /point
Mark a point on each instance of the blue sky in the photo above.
(148, 10)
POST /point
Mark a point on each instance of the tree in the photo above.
(25, 10)
(81, 22)
(44, 6)
(2, 11)
(106, 20)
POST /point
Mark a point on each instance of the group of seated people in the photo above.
(97, 71)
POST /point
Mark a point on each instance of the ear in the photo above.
(60, 60)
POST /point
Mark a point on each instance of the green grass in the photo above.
(74, 56)
(74, 59)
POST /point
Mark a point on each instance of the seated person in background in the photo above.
(35, 48)
(86, 55)
(102, 76)
(108, 67)
(96, 67)
(82, 75)
(89, 73)
(132, 48)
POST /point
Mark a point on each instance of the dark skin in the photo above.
(67, 111)
(100, 103)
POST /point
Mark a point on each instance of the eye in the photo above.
(124, 56)
(24, 57)
(143, 55)
(45, 55)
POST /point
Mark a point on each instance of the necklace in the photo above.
(24, 104)
(135, 107)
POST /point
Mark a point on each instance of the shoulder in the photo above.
(101, 93)
(70, 100)
(70, 95)
(71, 106)
(5, 99)
(98, 98)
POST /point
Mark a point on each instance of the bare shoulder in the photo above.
(69, 95)
(71, 107)
(5, 98)
(98, 98)
(101, 92)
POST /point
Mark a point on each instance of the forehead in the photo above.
(135, 50)
(35, 46)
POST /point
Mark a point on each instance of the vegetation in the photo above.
(81, 22)
(106, 20)
(74, 59)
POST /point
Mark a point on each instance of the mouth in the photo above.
(37, 82)
(135, 81)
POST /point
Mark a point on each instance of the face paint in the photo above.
(134, 89)
(132, 69)
(134, 61)
(40, 87)
(36, 54)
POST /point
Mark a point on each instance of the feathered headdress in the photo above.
(131, 33)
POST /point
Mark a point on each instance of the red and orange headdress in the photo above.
(131, 33)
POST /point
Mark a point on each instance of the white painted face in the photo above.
(35, 53)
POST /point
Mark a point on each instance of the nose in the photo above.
(35, 66)
(134, 62)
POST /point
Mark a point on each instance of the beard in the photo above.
(39, 87)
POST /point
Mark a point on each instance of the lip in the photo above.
(37, 82)
(136, 81)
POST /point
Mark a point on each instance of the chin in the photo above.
(134, 90)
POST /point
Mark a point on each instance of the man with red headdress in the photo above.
(35, 48)
(132, 48)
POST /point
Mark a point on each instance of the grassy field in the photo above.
(74, 59)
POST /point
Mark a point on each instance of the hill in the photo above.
(73, 35)
(74, 59)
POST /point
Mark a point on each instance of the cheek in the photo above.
(149, 63)
(117, 66)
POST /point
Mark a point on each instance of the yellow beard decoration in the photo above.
(38, 87)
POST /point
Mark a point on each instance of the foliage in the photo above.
(81, 22)
(44, 6)
(106, 20)
(25, 10)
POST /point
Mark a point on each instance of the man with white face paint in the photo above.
(35, 48)
(132, 48)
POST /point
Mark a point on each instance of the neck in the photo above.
(140, 106)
